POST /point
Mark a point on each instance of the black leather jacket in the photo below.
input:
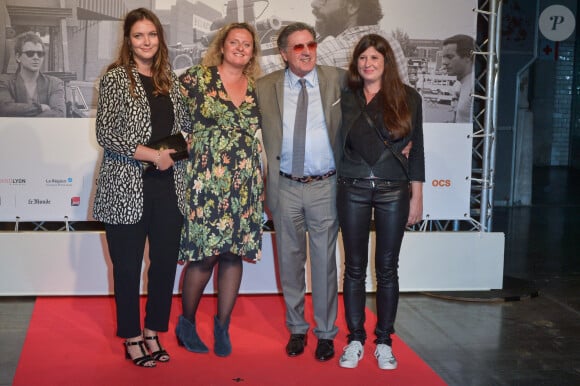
(353, 166)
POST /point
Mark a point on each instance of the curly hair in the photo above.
(215, 57)
(396, 114)
(161, 69)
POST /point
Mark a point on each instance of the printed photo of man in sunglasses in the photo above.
(28, 92)
(341, 24)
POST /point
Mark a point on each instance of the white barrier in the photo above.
(77, 263)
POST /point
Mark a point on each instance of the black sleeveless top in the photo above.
(161, 111)
(162, 119)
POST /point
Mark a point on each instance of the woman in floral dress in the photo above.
(224, 188)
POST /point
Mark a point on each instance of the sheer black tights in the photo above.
(197, 276)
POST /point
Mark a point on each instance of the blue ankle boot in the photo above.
(187, 336)
(222, 345)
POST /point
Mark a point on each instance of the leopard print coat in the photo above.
(122, 123)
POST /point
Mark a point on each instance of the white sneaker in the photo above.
(385, 357)
(351, 355)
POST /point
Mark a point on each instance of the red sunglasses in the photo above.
(297, 48)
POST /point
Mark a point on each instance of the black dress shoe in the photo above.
(296, 344)
(324, 349)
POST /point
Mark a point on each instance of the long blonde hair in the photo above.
(214, 56)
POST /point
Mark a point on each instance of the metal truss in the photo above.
(485, 111)
(486, 60)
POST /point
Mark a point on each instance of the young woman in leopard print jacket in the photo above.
(139, 102)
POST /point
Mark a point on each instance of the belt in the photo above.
(372, 182)
(307, 179)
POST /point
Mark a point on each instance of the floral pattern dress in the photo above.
(223, 177)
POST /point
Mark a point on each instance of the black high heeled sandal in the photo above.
(145, 360)
(160, 355)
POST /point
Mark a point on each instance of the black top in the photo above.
(161, 111)
(162, 119)
(364, 154)
(363, 140)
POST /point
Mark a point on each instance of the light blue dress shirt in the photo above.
(318, 158)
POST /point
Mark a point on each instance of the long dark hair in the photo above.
(396, 115)
(160, 69)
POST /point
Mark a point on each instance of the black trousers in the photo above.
(161, 224)
(356, 201)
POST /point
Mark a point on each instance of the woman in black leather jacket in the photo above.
(381, 116)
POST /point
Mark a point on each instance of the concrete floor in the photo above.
(528, 333)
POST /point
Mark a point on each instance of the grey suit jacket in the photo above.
(270, 90)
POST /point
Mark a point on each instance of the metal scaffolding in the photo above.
(485, 121)
(486, 61)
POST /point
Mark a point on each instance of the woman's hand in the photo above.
(188, 140)
(407, 149)
(416, 204)
(163, 160)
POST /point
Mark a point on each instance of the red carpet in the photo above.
(71, 341)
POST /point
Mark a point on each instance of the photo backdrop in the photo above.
(48, 165)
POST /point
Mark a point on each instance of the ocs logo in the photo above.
(441, 183)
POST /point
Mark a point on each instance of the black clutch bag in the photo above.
(176, 142)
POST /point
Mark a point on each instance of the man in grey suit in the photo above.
(304, 202)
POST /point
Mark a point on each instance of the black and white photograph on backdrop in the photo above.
(54, 52)
(28, 91)
(51, 57)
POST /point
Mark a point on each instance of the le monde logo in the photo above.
(39, 201)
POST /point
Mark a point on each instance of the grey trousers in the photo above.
(308, 210)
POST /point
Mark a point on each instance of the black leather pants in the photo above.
(356, 200)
